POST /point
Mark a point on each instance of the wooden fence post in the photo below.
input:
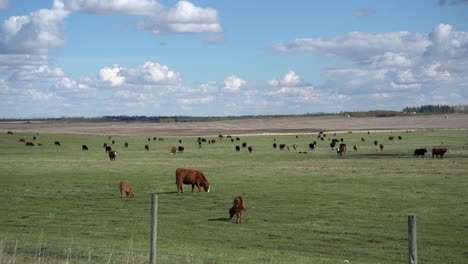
(412, 240)
(154, 224)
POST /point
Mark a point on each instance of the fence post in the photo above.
(412, 240)
(154, 224)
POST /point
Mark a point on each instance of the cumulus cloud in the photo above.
(398, 66)
(289, 79)
(112, 75)
(184, 17)
(233, 84)
(36, 33)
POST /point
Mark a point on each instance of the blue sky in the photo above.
(212, 57)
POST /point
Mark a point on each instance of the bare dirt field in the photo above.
(244, 126)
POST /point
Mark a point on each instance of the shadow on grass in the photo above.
(220, 219)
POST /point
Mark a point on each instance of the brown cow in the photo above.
(112, 155)
(173, 150)
(193, 177)
(250, 149)
(126, 188)
(237, 209)
(438, 152)
(381, 146)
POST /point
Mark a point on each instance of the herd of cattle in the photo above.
(198, 179)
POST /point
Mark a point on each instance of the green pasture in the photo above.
(62, 204)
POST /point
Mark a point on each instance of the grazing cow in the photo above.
(57, 143)
(294, 146)
(355, 147)
(212, 141)
(341, 150)
(84, 147)
(180, 149)
(332, 144)
(341, 139)
(104, 145)
(312, 146)
(149, 139)
(391, 138)
(232, 140)
(161, 139)
(381, 146)
(113, 142)
(112, 155)
(244, 145)
(420, 152)
(237, 209)
(155, 138)
(250, 149)
(363, 139)
(193, 177)
(238, 148)
(400, 138)
(126, 188)
(376, 142)
(438, 152)
(22, 140)
(126, 144)
(282, 146)
(9, 133)
(180, 141)
(275, 145)
(173, 150)
(30, 144)
(34, 138)
(108, 148)
(146, 147)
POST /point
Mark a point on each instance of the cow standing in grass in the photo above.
(112, 155)
(126, 188)
(191, 177)
(438, 152)
(237, 209)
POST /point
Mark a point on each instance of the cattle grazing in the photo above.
(155, 138)
(112, 155)
(294, 146)
(161, 139)
(275, 145)
(104, 145)
(400, 138)
(341, 139)
(146, 147)
(250, 149)
(232, 140)
(244, 145)
(113, 142)
(203, 140)
(180, 141)
(108, 148)
(420, 152)
(22, 140)
(173, 150)
(126, 144)
(40, 144)
(57, 143)
(149, 139)
(363, 139)
(34, 138)
(391, 138)
(341, 149)
(30, 144)
(220, 137)
(212, 141)
(282, 146)
(84, 147)
(312, 146)
(238, 148)
(237, 209)
(199, 144)
(381, 146)
(126, 188)
(191, 177)
(9, 133)
(376, 142)
(355, 147)
(332, 144)
(237, 139)
(180, 149)
(438, 152)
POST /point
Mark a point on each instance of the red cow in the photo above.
(250, 149)
(112, 155)
(173, 150)
(193, 177)
(438, 152)
(126, 188)
(237, 209)
(381, 146)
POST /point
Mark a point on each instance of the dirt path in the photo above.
(294, 125)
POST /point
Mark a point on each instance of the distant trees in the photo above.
(430, 109)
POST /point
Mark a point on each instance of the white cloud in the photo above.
(233, 84)
(196, 100)
(111, 75)
(151, 73)
(184, 17)
(109, 7)
(289, 79)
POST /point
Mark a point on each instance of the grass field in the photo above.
(62, 205)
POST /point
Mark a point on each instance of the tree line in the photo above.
(430, 109)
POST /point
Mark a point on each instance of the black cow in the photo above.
(30, 144)
(376, 142)
(180, 149)
(126, 144)
(244, 145)
(108, 148)
(312, 146)
(238, 148)
(57, 143)
(420, 152)
(275, 145)
(84, 147)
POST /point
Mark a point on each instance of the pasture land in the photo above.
(62, 204)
